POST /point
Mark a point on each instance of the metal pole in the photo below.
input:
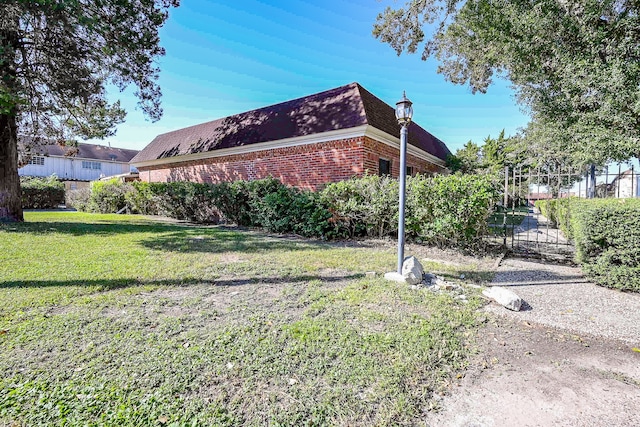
(586, 185)
(592, 178)
(618, 179)
(403, 182)
(506, 205)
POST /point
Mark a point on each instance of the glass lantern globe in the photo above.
(404, 111)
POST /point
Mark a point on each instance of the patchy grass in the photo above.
(514, 216)
(123, 320)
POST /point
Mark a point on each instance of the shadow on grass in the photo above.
(88, 228)
(110, 284)
(227, 241)
(174, 237)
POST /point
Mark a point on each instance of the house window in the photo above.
(409, 170)
(91, 165)
(37, 160)
(384, 167)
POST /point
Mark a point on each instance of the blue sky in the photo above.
(228, 57)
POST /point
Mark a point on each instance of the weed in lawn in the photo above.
(121, 332)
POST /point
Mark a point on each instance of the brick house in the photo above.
(306, 142)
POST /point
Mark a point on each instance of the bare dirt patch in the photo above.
(567, 360)
(530, 375)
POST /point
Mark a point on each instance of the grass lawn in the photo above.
(515, 216)
(124, 320)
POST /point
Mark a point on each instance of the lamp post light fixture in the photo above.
(404, 114)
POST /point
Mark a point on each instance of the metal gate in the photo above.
(521, 227)
(530, 232)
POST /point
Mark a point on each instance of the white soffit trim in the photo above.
(261, 146)
(91, 159)
(394, 141)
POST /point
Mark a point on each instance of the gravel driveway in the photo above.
(559, 296)
(569, 359)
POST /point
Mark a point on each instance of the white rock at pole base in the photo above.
(394, 276)
(412, 270)
(504, 297)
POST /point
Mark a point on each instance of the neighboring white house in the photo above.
(626, 185)
(89, 163)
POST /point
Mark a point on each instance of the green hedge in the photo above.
(606, 234)
(547, 208)
(445, 210)
(78, 199)
(557, 211)
(263, 203)
(449, 210)
(41, 193)
(366, 206)
(108, 196)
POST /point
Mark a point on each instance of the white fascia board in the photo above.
(394, 141)
(261, 146)
(91, 159)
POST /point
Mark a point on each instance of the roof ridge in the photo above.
(369, 93)
(361, 88)
(109, 147)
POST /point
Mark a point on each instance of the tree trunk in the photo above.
(10, 194)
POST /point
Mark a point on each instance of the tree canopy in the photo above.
(492, 156)
(574, 65)
(57, 58)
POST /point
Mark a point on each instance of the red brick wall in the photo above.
(307, 166)
(374, 150)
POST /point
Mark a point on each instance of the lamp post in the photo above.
(404, 113)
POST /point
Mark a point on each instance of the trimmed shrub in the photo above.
(232, 200)
(366, 206)
(78, 199)
(545, 208)
(289, 210)
(237, 201)
(42, 193)
(186, 201)
(443, 210)
(449, 209)
(557, 211)
(108, 196)
(606, 233)
(141, 199)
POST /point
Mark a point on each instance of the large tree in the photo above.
(57, 58)
(466, 160)
(492, 156)
(574, 65)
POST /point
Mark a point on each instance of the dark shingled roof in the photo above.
(341, 108)
(89, 151)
